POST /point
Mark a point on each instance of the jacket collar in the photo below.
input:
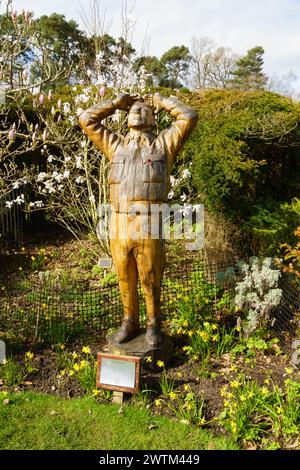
(143, 138)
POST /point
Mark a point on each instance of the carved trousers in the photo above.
(134, 257)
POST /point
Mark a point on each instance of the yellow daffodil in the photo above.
(289, 370)
(71, 373)
(179, 374)
(76, 367)
(233, 426)
(160, 363)
(29, 355)
(173, 396)
(75, 355)
(62, 346)
(186, 387)
(95, 392)
(148, 359)
(235, 384)
(157, 403)
(214, 327)
(86, 350)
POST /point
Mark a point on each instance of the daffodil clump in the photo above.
(266, 413)
(185, 405)
(209, 339)
(82, 367)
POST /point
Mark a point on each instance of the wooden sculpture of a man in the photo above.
(141, 163)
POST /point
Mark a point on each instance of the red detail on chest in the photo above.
(149, 161)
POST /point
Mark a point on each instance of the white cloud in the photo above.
(239, 24)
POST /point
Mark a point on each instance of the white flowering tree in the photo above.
(19, 46)
(69, 177)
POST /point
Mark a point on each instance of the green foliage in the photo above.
(254, 413)
(271, 224)
(248, 74)
(186, 406)
(174, 63)
(82, 367)
(12, 373)
(208, 340)
(244, 154)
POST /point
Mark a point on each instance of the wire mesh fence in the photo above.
(52, 312)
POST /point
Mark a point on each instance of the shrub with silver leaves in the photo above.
(257, 294)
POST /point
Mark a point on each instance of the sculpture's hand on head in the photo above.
(125, 101)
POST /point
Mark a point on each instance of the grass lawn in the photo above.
(36, 421)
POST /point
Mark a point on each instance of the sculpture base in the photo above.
(139, 347)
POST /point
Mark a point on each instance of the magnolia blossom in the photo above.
(186, 210)
(78, 163)
(171, 194)
(92, 199)
(41, 176)
(66, 174)
(172, 180)
(50, 158)
(41, 99)
(79, 111)
(82, 98)
(183, 197)
(67, 159)
(52, 110)
(50, 95)
(20, 200)
(79, 180)
(37, 204)
(186, 173)
(34, 137)
(24, 75)
(102, 91)
(12, 134)
(45, 135)
(59, 104)
(16, 184)
(9, 204)
(66, 108)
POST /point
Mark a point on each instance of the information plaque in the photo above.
(120, 373)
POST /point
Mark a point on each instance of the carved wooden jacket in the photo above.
(140, 164)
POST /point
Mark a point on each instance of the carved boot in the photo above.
(127, 331)
(154, 336)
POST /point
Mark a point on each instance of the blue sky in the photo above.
(239, 24)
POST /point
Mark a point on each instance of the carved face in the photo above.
(140, 116)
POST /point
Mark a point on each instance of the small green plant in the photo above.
(250, 346)
(208, 340)
(185, 406)
(254, 413)
(166, 384)
(142, 398)
(29, 363)
(12, 373)
(83, 368)
(38, 260)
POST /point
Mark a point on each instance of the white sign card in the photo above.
(116, 372)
